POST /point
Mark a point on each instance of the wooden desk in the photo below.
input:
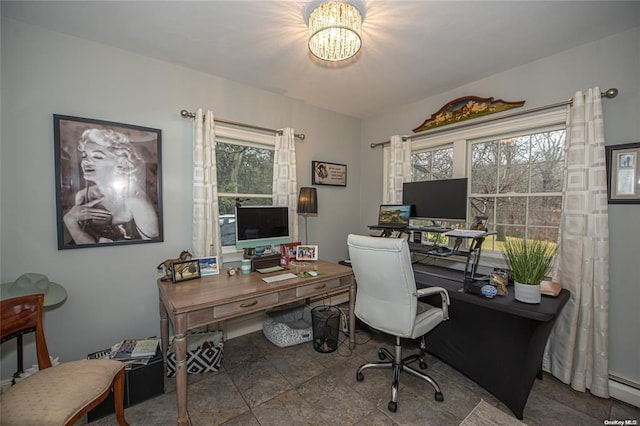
(498, 343)
(215, 298)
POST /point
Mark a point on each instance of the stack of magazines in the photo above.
(135, 351)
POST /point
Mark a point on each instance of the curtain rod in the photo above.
(609, 94)
(186, 114)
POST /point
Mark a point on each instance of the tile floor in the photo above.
(262, 384)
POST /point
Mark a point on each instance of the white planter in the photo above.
(527, 293)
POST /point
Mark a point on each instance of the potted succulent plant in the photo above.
(530, 262)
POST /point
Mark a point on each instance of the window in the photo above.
(517, 183)
(515, 171)
(432, 164)
(244, 165)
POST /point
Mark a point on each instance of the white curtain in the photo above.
(206, 230)
(398, 169)
(577, 352)
(285, 187)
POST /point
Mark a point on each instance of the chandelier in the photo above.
(334, 31)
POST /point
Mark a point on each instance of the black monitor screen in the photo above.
(437, 199)
(261, 225)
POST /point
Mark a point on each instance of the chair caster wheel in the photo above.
(359, 377)
(381, 355)
(392, 406)
(439, 397)
(423, 365)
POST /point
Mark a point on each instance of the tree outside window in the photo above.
(244, 172)
(432, 164)
(517, 183)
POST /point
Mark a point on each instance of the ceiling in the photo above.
(411, 49)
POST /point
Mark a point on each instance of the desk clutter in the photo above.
(144, 374)
(130, 351)
(550, 288)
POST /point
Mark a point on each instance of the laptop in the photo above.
(393, 216)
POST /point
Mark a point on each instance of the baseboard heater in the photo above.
(624, 390)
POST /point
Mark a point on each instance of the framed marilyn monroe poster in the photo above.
(108, 183)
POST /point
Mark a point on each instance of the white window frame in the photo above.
(244, 137)
(523, 132)
(461, 140)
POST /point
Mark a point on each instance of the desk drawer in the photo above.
(287, 295)
(245, 306)
(317, 288)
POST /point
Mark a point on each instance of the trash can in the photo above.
(326, 327)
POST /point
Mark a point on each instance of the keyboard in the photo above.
(269, 270)
(280, 277)
(465, 233)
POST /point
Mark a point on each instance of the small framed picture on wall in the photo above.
(323, 173)
(623, 167)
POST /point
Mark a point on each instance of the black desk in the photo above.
(498, 343)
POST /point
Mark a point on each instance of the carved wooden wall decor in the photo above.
(465, 108)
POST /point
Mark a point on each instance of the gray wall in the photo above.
(610, 62)
(112, 290)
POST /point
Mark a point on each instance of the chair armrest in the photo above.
(428, 291)
(444, 294)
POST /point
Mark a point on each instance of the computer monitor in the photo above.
(258, 226)
(437, 199)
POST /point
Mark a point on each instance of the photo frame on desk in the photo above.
(306, 252)
(184, 271)
(208, 266)
(623, 173)
(288, 252)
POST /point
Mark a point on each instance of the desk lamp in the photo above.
(307, 204)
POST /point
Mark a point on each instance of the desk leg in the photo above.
(180, 344)
(352, 314)
(164, 333)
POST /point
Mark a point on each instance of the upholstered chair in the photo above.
(54, 395)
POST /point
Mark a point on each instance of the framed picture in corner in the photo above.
(623, 170)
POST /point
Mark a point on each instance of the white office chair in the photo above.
(387, 300)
